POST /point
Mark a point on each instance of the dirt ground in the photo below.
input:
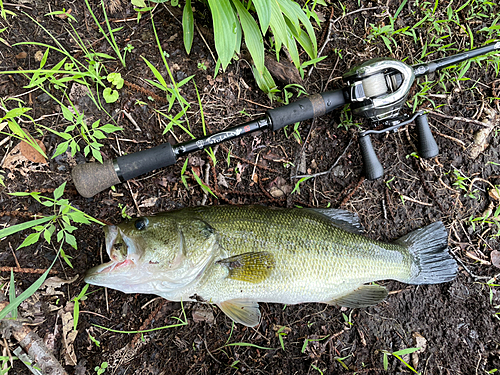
(456, 324)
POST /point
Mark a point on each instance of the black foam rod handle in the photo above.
(372, 168)
(306, 108)
(427, 146)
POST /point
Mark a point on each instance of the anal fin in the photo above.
(365, 295)
(242, 311)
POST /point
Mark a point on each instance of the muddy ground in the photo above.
(456, 324)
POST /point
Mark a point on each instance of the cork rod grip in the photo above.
(92, 178)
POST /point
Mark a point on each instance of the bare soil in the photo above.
(456, 324)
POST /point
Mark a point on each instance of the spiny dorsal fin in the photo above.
(365, 295)
(242, 311)
(251, 267)
(341, 218)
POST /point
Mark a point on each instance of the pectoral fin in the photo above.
(250, 267)
(365, 295)
(242, 311)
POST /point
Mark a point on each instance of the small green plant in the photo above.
(60, 222)
(282, 332)
(123, 211)
(460, 183)
(202, 66)
(76, 307)
(307, 341)
(317, 369)
(101, 369)
(348, 319)
(94, 340)
(297, 184)
(110, 94)
(341, 361)
(398, 354)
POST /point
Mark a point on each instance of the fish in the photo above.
(238, 256)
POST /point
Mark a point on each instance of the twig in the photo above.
(346, 199)
(14, 254)
(26, 270)
(413, 200)
(330, 169)
(463, 119)
(203, 38)
(33, 345)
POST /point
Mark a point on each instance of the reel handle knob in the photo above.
(373, 170)
(427, 146)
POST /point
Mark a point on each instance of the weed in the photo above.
(101, 369)
(398, 354)
(460, 183)
(202, 66)
(60, 221)
(307, 341)
(94, 340)
(341, 361)
(317, 369)
(282, 332)
(110, 94)
(204, 187)
(297, 184)
(182, 322)
(76, 307)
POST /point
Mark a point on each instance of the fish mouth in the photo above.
(123, 267)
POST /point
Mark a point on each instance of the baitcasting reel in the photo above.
(376, 90)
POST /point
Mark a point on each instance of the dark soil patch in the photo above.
(458, 321)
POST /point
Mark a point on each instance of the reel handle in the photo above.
(427, 146)
(373, 170)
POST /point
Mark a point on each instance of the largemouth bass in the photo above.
(236, 257)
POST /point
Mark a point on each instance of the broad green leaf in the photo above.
(225, 30)
(188, 26)
(59, 191)
(109, 128)
(16, 112)
(278, 27)
(61, 148)
(253, 36)
(305, 21)
(110, 95)
(303, 39)
(71, 240)
(79, 217)
(23, 226)
(31, 239)
(265, 81)
(263, 8)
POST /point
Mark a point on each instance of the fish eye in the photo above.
(140, 224)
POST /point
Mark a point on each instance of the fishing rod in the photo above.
(377, 90)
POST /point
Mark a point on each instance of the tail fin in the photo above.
(432, 262)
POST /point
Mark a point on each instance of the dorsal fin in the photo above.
(253, 267)
(365, 295)
(242, 311)
(341, 218)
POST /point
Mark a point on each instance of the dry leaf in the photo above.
(149, 202)
(21, 55)
(68, 335)
(31, 154)
(495, 258)
(203, 313)
(52, 283)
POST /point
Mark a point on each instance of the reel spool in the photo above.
(378, 88)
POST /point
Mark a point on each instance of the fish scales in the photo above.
(314, 259)
(238, 256)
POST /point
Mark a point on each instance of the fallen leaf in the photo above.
(31, 154)
(14, 159)
(495, 258)
(149, 202)
(222, 180)
(52, 283)
(203, 313)
(68, 335)
(21, 55)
